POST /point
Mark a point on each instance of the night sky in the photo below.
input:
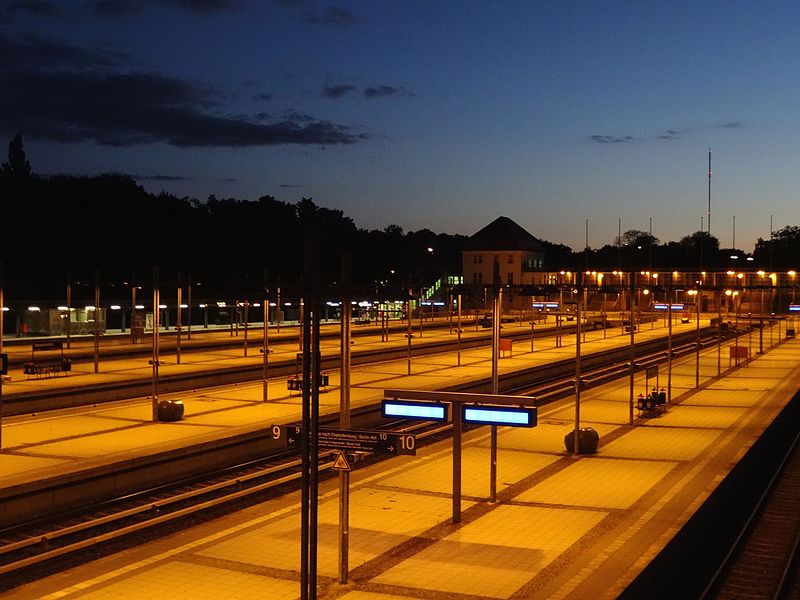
(438, 114)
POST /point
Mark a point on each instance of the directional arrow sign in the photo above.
(357, 440)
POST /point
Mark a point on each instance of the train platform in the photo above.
(563, 526)
(37, 447)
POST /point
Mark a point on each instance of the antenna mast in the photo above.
(709, 190)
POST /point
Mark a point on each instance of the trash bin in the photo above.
(587, 440)
(170, 410)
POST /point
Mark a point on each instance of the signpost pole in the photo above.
(154, 361)
(344, 423)
(456, 462)
(632, 354)
(576, 442)
(496, 316)
(97, 321)
(458, 327)
(669, 343)
(178, 323)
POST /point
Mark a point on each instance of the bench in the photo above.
(295, 383)
(47, 367)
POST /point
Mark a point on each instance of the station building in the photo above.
(502, 254)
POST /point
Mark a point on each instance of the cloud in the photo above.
(612, 139)
(334, 15)
(116, 9)
(39, 8)
(160, 178)
(337, 91)
(382, 91)
(732, 125)
(47, 96)
(290, 186)
(29, 52)
(262, 97)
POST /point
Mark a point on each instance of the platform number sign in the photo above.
(351, 440)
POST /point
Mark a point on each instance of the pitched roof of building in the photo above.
(503, 234)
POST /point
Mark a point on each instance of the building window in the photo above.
(510, 259)
(474, 259)
(510, 278)
(480, 259)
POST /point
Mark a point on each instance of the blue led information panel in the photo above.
(408, 409)
(499, 415)
(794, 308)
(662, 306)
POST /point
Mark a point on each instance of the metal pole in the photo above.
(154, 361)
(265, 350)
(456, 406)
(344, 423)
(632, 351)
(576, 433)
(697, 340)
(409, 333)
(670, 299)
(97, 321)
(178, 323)
(496, 312)
(69, 308)
(246, 323)
(133, 313)
(189, 310)
(458, 327)
(718, 296)
(316, 378)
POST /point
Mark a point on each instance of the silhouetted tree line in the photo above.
(63, 228)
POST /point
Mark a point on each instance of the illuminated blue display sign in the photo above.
(662, 306)
(794, 308)
(499, 415)
(541, 305)
(408, 409)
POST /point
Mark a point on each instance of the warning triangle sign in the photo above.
(341, 464)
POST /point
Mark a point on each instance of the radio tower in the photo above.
(709, 190)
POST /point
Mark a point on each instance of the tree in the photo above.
(637, 239)
(17, 168)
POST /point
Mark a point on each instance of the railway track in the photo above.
(764, 561)
(33, 549)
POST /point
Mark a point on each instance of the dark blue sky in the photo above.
(439, 114)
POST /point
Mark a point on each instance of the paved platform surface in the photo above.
(563, 526)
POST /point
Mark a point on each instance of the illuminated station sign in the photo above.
(662, 306)
(545, 305)
(484, 414)
(409, 409)
(794, 308)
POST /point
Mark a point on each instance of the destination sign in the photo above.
(484, 414)
(354, 440)
(662, 306)
(409, 409)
